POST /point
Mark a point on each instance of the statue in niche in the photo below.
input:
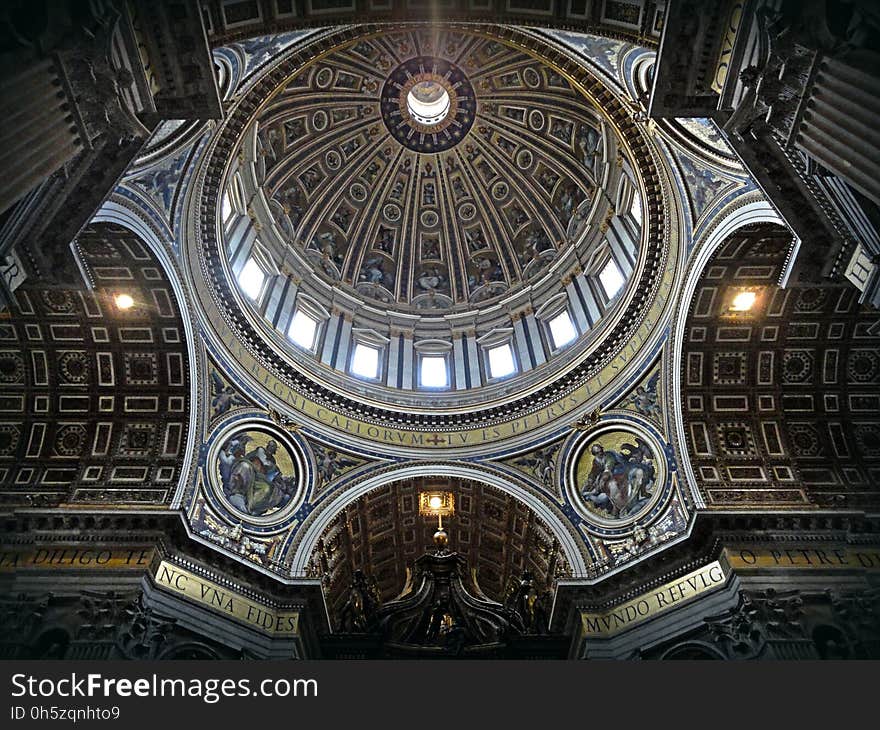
(530, 604)
(257, 476)
(359, 612)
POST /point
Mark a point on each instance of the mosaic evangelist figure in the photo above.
(257, 473)
(616, 478)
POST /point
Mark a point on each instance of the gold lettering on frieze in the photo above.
(653, 603)
(225, 601)
(810, 558)
(59, 557)
(725, 52)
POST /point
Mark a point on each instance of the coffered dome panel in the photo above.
(421, 215)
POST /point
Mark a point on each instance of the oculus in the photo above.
(428, 104)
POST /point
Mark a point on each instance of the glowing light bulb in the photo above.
(743, 301)
(435, 502)
(124, 301)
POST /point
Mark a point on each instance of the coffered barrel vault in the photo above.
(96, 382)
(781, 401)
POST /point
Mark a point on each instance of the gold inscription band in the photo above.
(75, 558)
(224, 601)
(754, 558)
(658, 601)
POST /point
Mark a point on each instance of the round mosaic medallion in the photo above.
(617, 474)
(257, 472)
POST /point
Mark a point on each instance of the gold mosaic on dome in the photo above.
(256, 473)
(618, 473)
